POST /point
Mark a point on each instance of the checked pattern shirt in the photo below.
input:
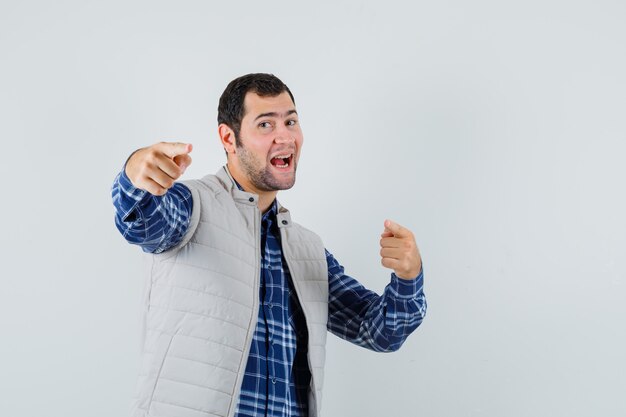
(277, 377)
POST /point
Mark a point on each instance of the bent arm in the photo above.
(377, 322)
(156, 223)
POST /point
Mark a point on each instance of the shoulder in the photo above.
(305, 233)
(206, 194)
(208, 183)
(308, 243)
(209, 193)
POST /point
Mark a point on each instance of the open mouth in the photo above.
(282, 161)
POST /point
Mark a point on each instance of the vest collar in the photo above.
(282, 216)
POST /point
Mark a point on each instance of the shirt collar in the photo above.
(271, 213)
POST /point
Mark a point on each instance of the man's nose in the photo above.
(283, 135)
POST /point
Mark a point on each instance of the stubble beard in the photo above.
(261, 177)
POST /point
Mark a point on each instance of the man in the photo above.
(239, 298)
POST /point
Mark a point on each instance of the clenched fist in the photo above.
(399, 251)
(156, 167)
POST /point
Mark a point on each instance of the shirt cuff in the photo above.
(130, 196)
(407, 288)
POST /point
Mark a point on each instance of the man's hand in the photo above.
(156, 167)
(399, 251)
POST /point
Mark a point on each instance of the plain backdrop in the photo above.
(495, 130)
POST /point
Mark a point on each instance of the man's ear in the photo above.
(227, 136)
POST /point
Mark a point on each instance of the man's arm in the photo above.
(157, 215)
(380, 323)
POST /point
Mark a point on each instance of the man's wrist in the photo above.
(407, 288)
(128, 188)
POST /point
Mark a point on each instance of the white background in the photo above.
(494, 130)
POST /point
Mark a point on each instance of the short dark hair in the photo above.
(230, 110)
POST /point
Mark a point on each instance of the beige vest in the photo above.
(202, 301)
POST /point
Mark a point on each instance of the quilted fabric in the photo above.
(201, 302)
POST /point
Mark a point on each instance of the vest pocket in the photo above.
(158, 375)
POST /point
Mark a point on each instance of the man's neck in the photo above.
(265, 201)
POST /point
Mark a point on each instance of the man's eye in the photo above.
(292, 122)
(265, 125)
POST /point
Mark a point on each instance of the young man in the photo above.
(239, 298)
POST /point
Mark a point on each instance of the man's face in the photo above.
(271, 139)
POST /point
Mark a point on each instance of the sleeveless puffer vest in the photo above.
(202, 301)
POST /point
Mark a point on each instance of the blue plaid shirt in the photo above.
(277, 376)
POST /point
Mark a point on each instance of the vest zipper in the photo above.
(296, 285)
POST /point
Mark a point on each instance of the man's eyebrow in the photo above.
(274, 114)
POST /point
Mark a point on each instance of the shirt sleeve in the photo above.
(156, 223)
(379, 323)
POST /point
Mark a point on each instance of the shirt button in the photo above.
(251, 199)
(285, 222)
(273, 380)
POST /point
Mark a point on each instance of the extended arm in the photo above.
(155, 216)
(380, 323)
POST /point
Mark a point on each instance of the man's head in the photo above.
(230, 110)
(260, 131)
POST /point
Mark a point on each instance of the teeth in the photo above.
(282, 156)
(283, 166)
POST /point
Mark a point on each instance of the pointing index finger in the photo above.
(396, 229)
(172, 149)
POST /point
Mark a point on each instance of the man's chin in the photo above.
(286, 185)
(283, 180)
(270, 181)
